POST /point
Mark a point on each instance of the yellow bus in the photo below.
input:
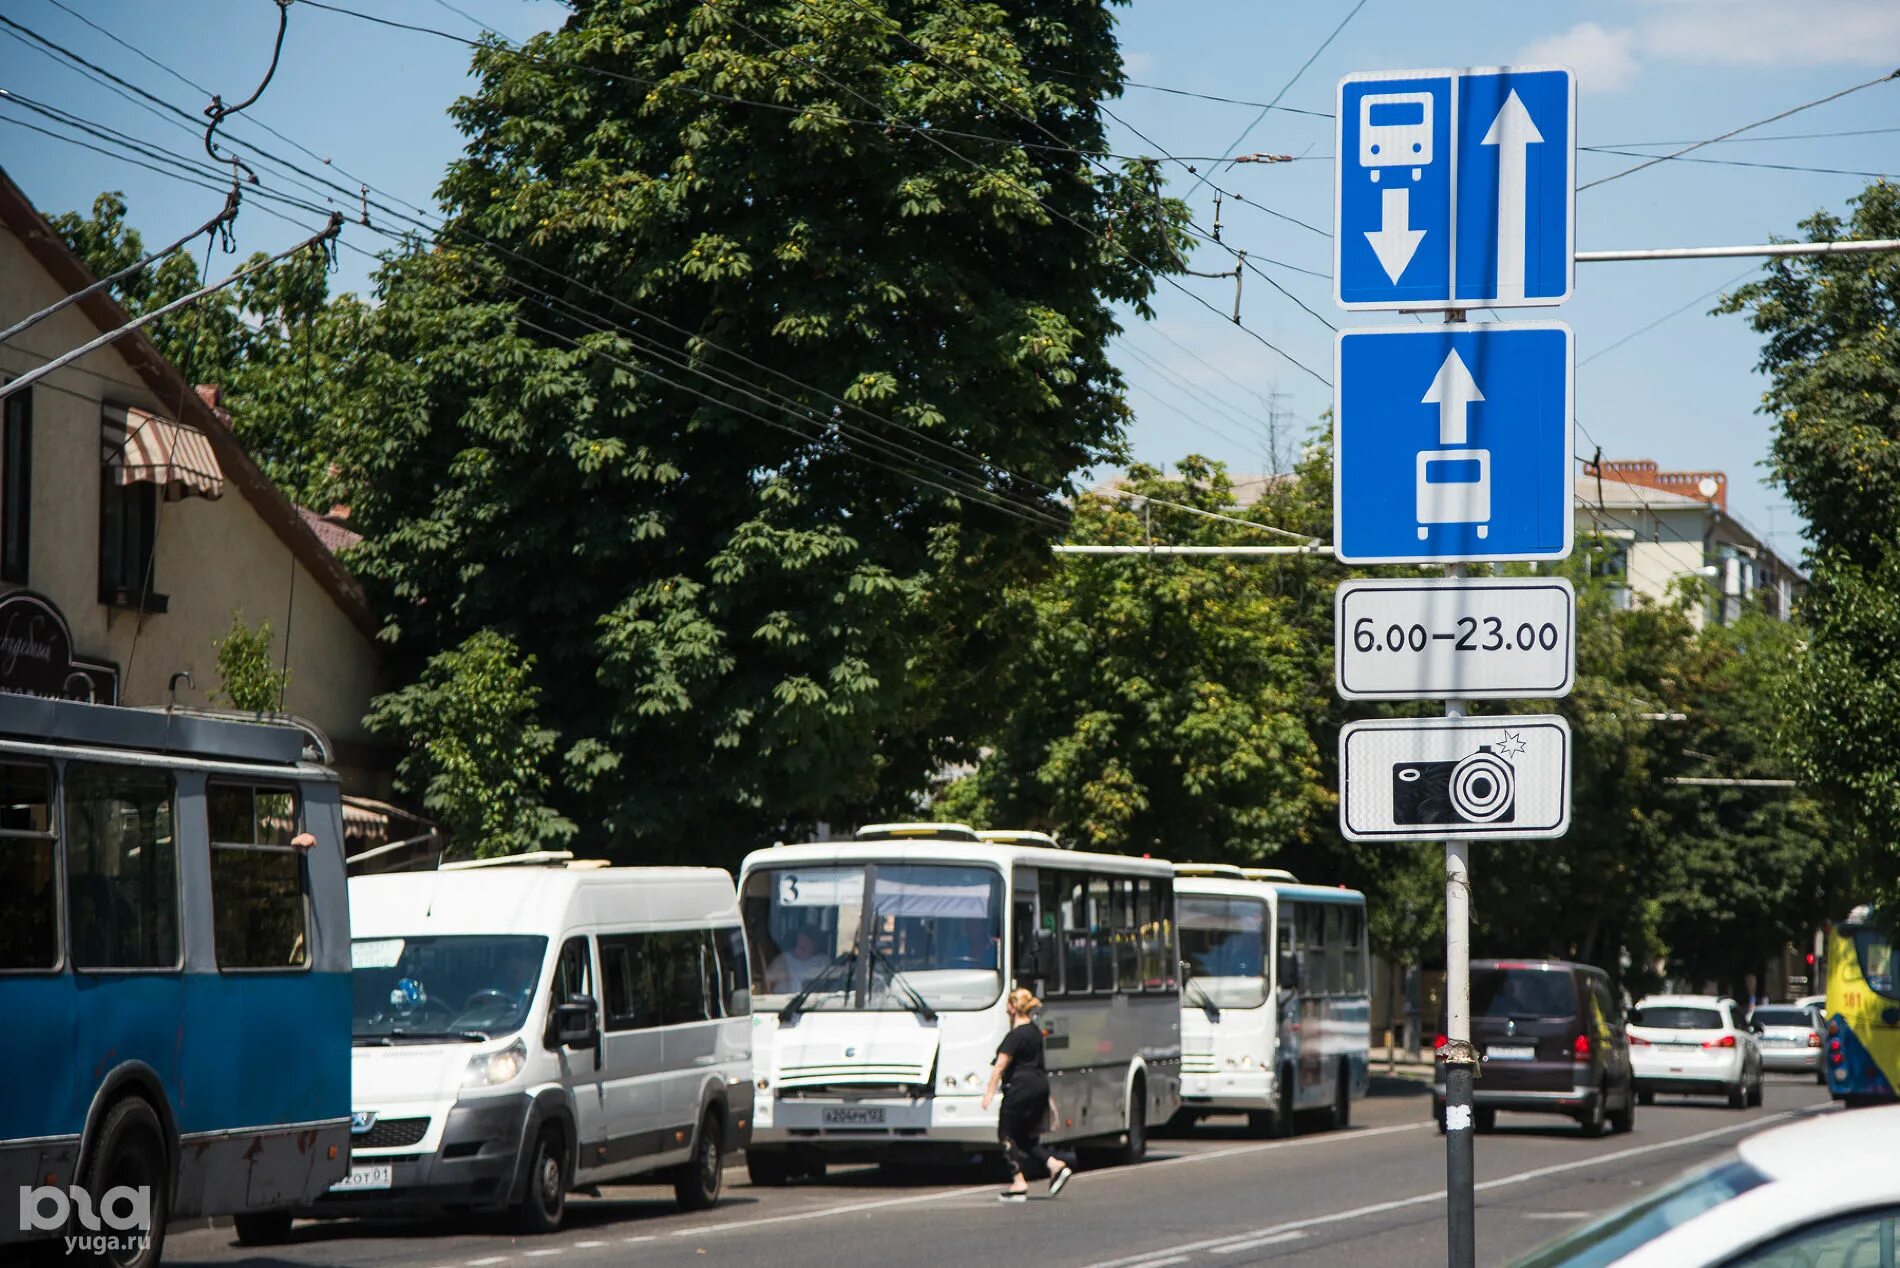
(1863, 1011)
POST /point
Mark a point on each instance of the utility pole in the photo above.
(1273, 396)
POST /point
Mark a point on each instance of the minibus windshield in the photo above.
(432, 989)
(931, 935)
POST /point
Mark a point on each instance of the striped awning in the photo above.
(141, 448)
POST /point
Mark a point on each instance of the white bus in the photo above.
(880, 966)
(1276, 1009)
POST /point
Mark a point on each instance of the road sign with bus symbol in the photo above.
(1453, 443)
(1455, 188)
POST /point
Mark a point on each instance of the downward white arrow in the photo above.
(1454, 391)
(1395, 241)
(1512, 132)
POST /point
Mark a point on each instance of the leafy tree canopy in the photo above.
(1831, 350)
(602, 415)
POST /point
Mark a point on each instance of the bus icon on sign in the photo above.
(1454, 487)
(1395, 130)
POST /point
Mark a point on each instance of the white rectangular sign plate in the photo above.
(1503, 638)
(1454, 779)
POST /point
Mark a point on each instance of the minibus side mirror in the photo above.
(1288, 972)
(573, 1024)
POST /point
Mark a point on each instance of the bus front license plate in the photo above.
(854, 1116)
(364, 1177)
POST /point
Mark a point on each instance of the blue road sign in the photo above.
(1455, 188)
(1452, 443)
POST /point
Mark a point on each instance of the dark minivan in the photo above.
(1550, 1040)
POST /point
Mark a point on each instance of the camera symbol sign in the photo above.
(1445, 779)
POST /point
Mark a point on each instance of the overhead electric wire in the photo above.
(1746, 127)
(211, 226)
(932, 135)
(972, 163)
(1674, 312)
(1761, 163)
(965, 487)
(1288, 86)
(664, 85)
(1028, 117)
(1227, 101)
(437, 229)
(32, 376)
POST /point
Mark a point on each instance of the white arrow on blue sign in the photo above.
(1455, 188)
(1453, 443)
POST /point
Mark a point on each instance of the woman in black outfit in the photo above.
(1025, 1085)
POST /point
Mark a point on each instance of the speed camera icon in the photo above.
(1395, 130)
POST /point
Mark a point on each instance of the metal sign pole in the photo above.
(1460, 1057)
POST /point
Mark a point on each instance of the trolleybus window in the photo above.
(29, 902)
(259, 915)
(121, 867)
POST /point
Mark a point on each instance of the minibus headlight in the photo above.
(949, 1080)
(494, 1068)
(1246, 1062)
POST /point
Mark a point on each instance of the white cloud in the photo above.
(1773, 32)
(1137, 64)
(1602, 59)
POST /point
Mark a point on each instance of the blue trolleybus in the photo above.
(174, 970)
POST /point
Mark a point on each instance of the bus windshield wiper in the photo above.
(1208, 1006)
(390, 1038)
(796, 1005)
(917, 1003)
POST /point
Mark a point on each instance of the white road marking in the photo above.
(492, 1259)
(1161, 1263)
(648, 1237)
(544, 1254)
(587, 1245)
(1438, 1195)
(1274, 1240)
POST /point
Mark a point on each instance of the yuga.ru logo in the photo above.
(121, 1223)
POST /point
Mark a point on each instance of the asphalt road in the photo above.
(1372, 1195)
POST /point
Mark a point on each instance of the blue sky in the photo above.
(1683, 393)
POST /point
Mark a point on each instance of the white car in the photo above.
(1824, 1191)
(1790, 1038)
(1694, 1044)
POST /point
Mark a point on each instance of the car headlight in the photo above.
(491, 1069)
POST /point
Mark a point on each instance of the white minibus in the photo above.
(530, 1025)
(1276, 1008)
(881, 966)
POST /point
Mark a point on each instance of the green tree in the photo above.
(247, 679)
(1159, 708)
(1831, 351)
(738, 625)
(477, 756)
